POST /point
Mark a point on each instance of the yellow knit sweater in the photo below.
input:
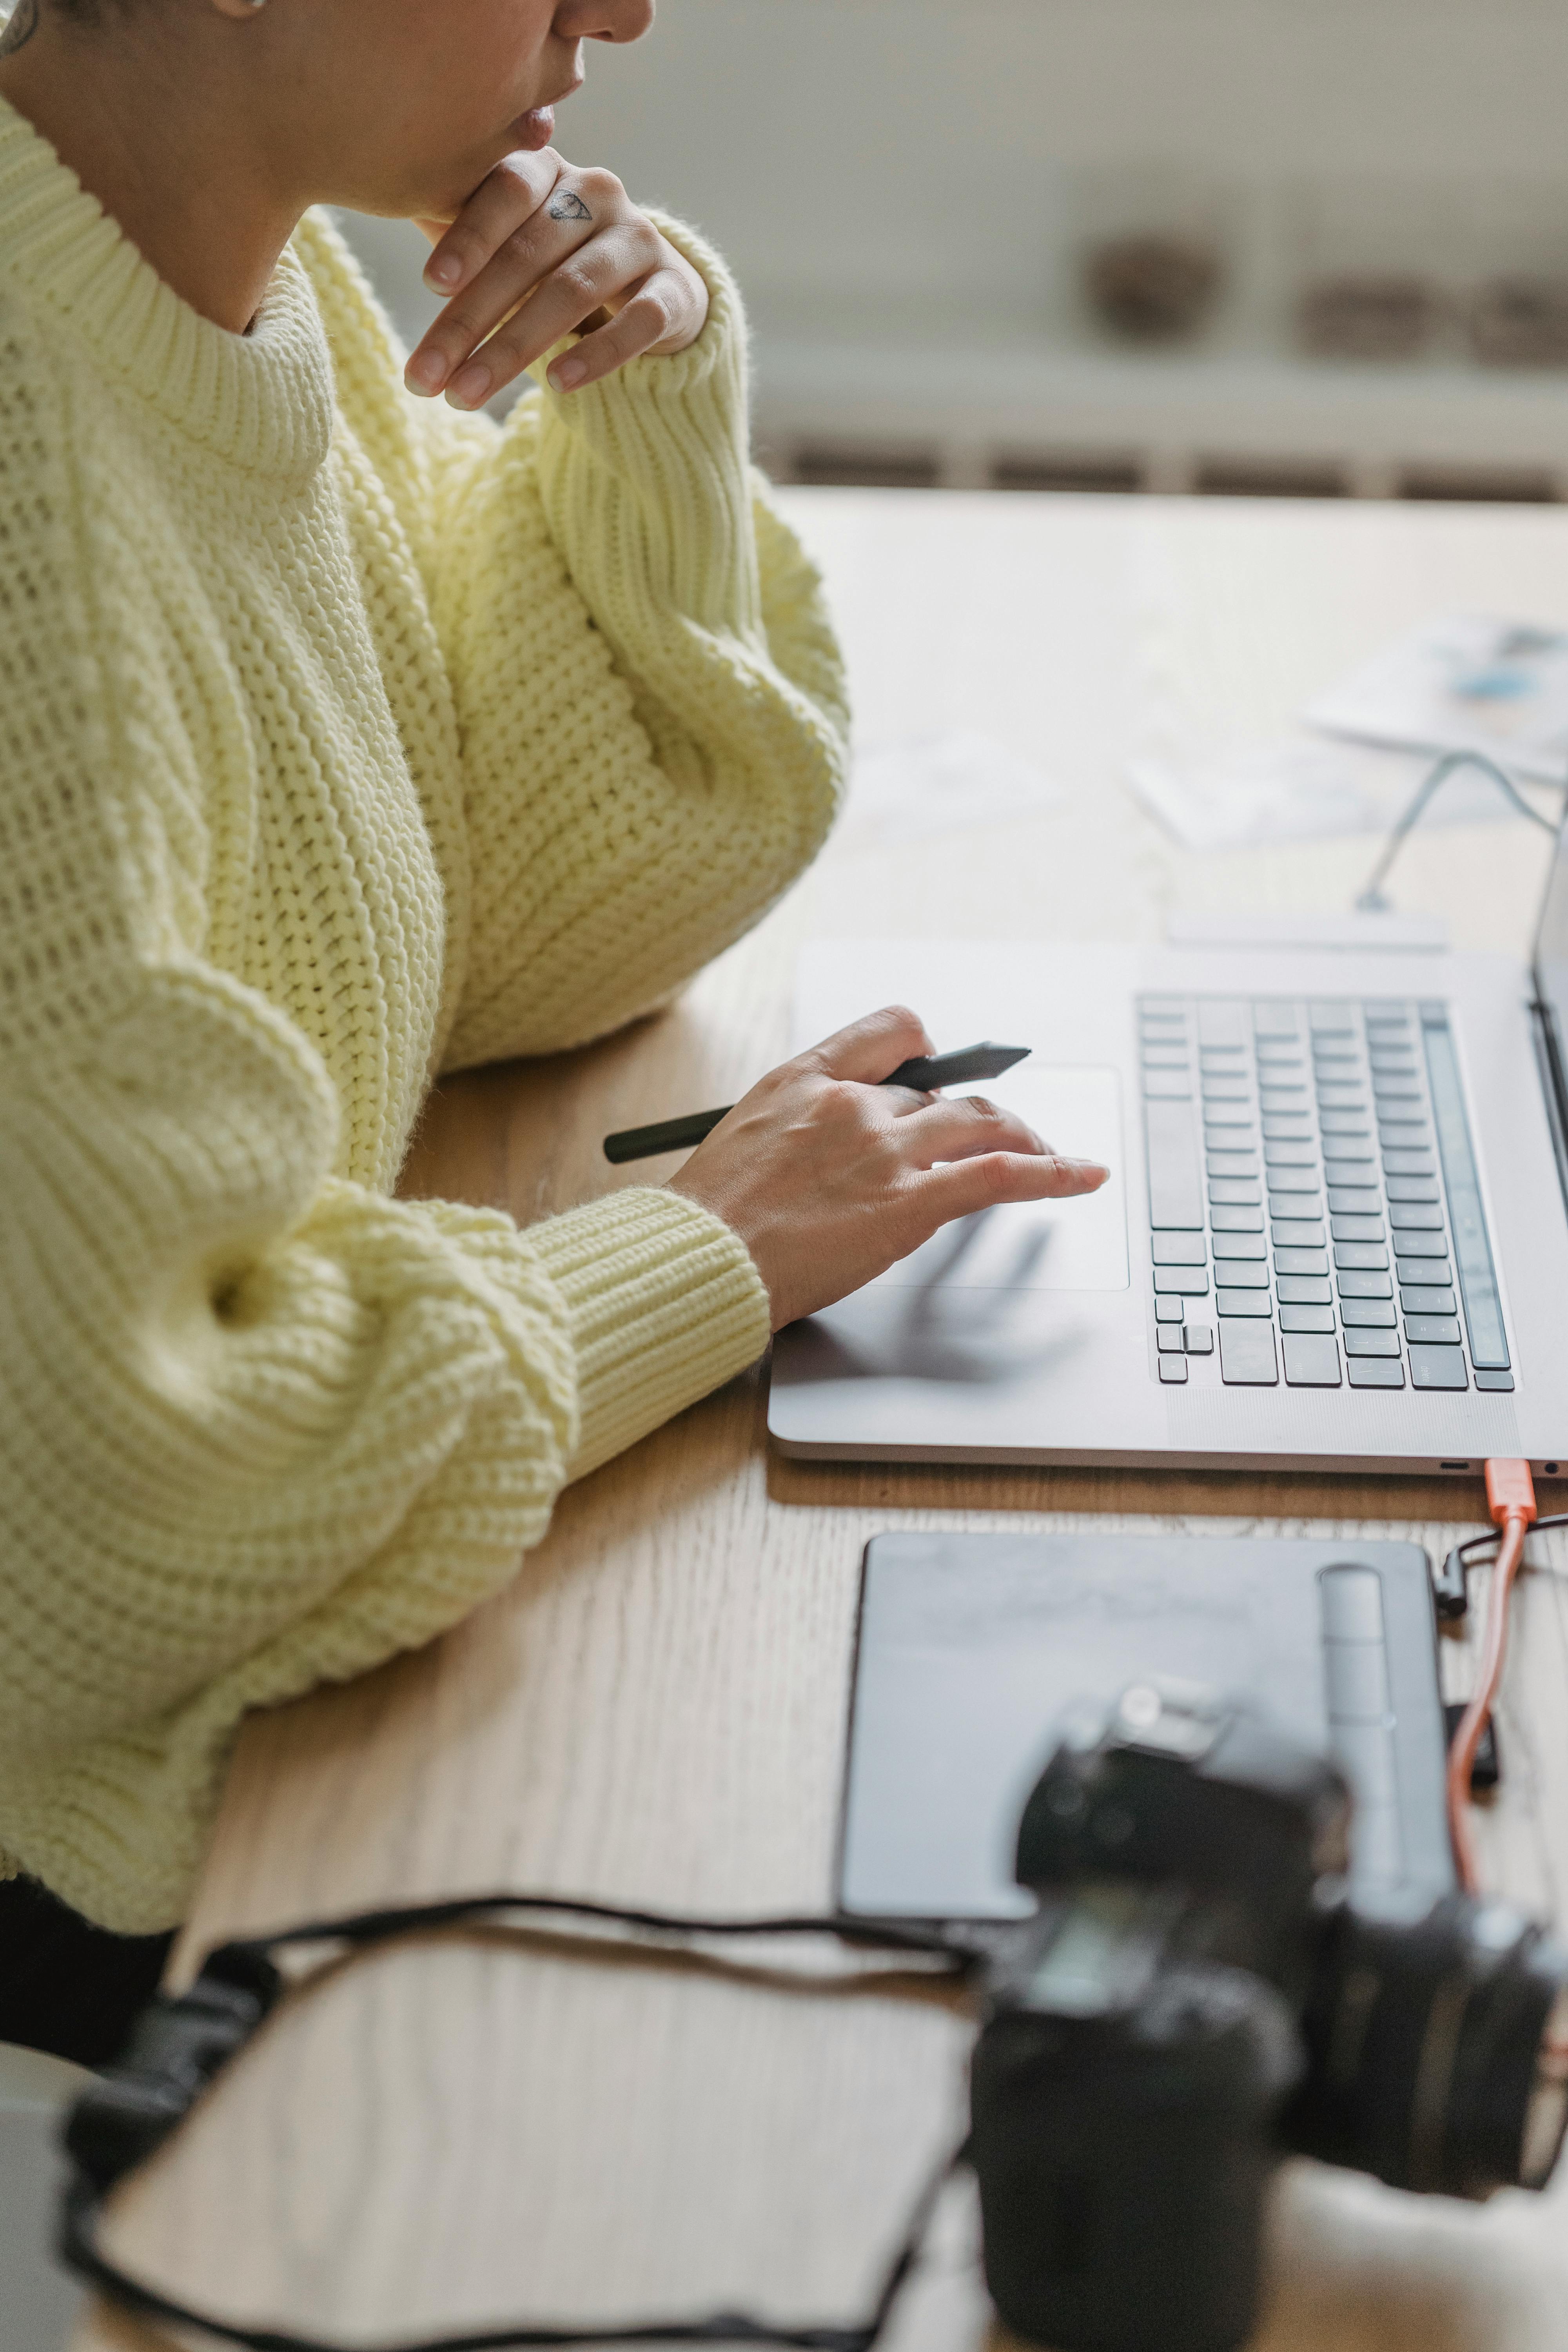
(341, 739)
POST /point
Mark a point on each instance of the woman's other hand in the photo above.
(540, 249)
(829, 1177)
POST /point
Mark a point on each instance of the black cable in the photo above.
(1370, 900)
(1493, 1537)
(186, 2041)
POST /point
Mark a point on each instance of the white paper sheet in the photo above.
(937, 783)
(1464, 682)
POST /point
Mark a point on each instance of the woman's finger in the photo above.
(962, 1127)
(654, 317)
(965, 1186)
(525, 260)
(595, 276)
(871, 1048)
(504, 199)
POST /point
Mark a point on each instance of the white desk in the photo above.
(655, 1710)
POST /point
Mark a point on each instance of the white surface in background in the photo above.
(933, 783)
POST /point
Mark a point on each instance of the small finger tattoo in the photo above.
(19, 27)
(565, 204)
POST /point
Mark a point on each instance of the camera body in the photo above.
(1199, 1993)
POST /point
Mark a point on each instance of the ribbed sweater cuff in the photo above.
(664, 1305)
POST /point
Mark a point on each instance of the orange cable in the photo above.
(1510, 1492)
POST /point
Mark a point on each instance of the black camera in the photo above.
(1202, 1990)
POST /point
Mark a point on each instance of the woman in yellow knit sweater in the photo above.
(345, 739)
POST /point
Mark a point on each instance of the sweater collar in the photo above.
(262, 400)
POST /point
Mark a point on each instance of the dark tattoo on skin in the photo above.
(20, 26)
(562, 205)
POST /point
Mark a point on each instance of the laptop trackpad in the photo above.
(1079, 1244)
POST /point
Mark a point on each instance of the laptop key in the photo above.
(1278, 1129)
(1368, 1314)
(1172, 1371)
(1251, 1304)
(1413, 1188)
(1487, 1379)
(1364, 1228)
(1299, 1233)
(1375, 1372)
(1425, 1298)
(1412, 1217)
(1301, 1261)
(1175, 1188)
(1354, 1284)
(1408, 1163)
(1230, 1246)
(1247, 1357)
(1169, 1339)
(1289, 1155)
(1183, 1282)
(1311, 1362)
(1438, 1368)
(1345, 1203)
(1369, 1256)
(1181, 1249)
(1424, 1273)
(1306, 1319)
(1225, 1162)
(1436, 1330)
(1304, 1289)
(1226, 1220)
(1372, 1343)
(1169, 1310)
(1199, 1339)
(1230, 1193)
(1243, 1274)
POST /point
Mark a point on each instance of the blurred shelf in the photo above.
(981, 411)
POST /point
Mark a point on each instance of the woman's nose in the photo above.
(604, 20)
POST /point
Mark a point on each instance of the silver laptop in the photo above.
(1335, 1237)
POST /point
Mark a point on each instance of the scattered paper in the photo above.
(939, 783)
(1467, 682)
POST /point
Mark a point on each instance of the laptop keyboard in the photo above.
(1314, 1198)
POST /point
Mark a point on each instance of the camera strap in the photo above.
(184, 2041)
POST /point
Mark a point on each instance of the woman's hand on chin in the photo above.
(540, 251)
(829, 1177)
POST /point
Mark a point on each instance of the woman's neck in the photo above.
(167, 152)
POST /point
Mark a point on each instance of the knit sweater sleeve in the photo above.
(259, 1426)
(650, 696)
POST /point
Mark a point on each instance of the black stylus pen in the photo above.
(926, 1073)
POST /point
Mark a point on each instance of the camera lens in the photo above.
(1438, 2049)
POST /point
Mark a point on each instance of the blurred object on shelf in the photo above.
(1369, 260)
(1154, 289)
(1516, 268)
(1154, 252)
(1521, 322)
(1370, 318)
